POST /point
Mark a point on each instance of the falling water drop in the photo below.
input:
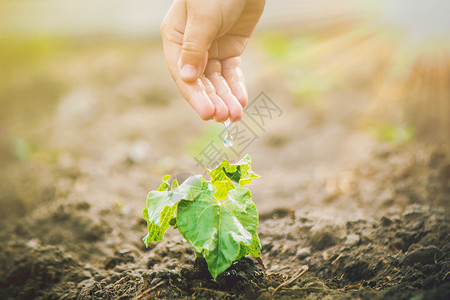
(228, 139)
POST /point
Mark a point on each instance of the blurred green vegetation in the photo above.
(27, 84)
(397, 134)
(37, 71)
(210, 133)
(361, 62)
(21, 149)
(27, 54)
(29, 92)
(278, 45)
(295, 60)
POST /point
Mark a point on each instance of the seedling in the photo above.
(217, 218)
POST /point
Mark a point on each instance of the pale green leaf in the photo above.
(254, 249)
(226, 176)
(165, 185)
(189, 189)
(161, 205)
(218, 230)
(174, 184)
(217, 218)
(158, 213)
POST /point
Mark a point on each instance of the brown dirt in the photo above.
(369, 220)
(67, 249)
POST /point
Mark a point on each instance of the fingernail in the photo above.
(188, 71)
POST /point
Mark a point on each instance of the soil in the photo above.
(369, 220)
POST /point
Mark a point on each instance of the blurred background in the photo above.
(354, 154)
(89, 111)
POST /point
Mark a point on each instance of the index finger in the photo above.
(172, 31)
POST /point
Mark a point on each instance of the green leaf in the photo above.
(189, 189)
(218, 218)
(161, 205)
(254, 249)
(165, 185)
(226, 176)
(219, 229)
(174, 184)
(158, 213)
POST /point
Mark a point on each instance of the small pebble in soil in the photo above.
(323, 238)
(303, 253)
(385, 221)
(352, 240)
(424, 256)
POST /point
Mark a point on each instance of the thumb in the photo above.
(199, 34)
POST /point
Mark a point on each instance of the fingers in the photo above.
(172, 35)
(197, 96)
(187, 42)
(232, 72)
(213, 73)
(201, 29)
(221, 110)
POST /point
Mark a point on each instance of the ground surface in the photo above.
(369, 220)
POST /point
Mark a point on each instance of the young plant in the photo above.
(217, 218)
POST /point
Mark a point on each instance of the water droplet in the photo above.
(228, 139)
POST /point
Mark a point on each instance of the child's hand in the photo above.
(203, 42)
